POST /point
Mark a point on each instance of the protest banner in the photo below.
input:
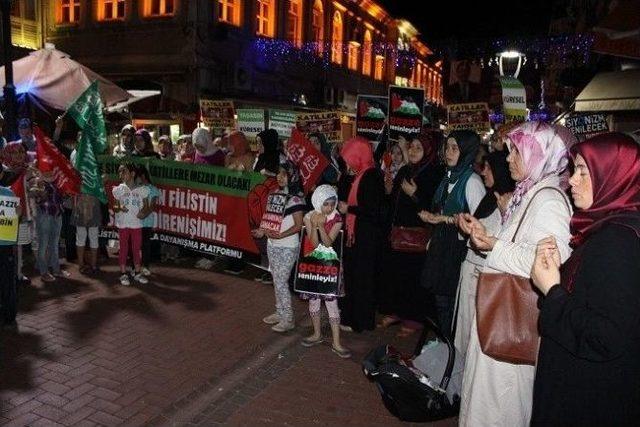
(282, 122)
(472, 116)
(217, 115)
(319, 269)
(251, 122)
(587, 125)
(307, 158)
(274, 212)
(514, 100)
(405, 111)
(9, 218)
(50, 159)
(371, 116)
(326, 123)
(202, 208)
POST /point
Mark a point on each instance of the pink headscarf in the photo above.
(543, 149)
(358, 155)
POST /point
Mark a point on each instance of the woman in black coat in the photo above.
(588, 371)
(402, 299)
(364, 223)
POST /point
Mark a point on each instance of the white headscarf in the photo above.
(203, 142)
(322, 194)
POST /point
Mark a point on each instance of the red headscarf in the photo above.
(613, 160)
(358, 155)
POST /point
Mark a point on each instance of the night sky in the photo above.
(497, 18)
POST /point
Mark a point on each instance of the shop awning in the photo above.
(614, 91)
(136, 95)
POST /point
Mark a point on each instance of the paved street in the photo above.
(189, 348)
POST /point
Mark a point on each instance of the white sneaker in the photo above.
(140, 279)
(124, 280)
(272, 319)
(145, 272)
(283, 327)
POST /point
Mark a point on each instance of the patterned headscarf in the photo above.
(544, 153)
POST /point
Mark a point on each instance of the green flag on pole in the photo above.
(87, 112)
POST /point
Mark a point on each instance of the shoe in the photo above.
(344, 353)
(48, 278)
(85, 269)
(145, 272)
(24, 280)
(124, 280)
(272, 319)
(140, 279)
(309, 342)
(63, 274)
(283, 327)
(345, 328)
(267, 279)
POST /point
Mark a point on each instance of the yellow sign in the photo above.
(9, 218)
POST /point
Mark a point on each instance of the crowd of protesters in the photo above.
(507, 208)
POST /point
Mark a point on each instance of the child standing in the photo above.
(129, 201)
(87, 217)
(148, 217)
(323, 226)
(283, 245)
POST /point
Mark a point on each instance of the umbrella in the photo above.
(51, 78)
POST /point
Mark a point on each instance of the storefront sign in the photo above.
(371, 116)
(405, 111)
(326, 123)
(472, 116)
(218, 116)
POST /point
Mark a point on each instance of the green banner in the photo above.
(87, 112)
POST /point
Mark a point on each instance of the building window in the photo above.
(366, 54)
(25, 9)
(159, 7)
(379, 71)
(354, 55)
(67, 11)
(265, 18)
(294, 22)
(336, 38)
(229, 11)
(109, 10)
(317, 24)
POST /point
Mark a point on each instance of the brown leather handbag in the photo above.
(507, 312)
(409, 239)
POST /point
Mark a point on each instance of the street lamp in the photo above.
(11, 128)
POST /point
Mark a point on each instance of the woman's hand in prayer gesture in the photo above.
(318, 219)
(479, 237)
(409, 187)
(465, 222)
(545, 272)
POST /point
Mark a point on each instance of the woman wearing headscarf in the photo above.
(460, 191)
(268, 158)
(144, 144)
(283, 246)
(499, 393)
(206, 152)
(240, 157)
(401, 298)
(588, 372)
(364, 228)
(127, 142)
(500, 187)
(331, 173)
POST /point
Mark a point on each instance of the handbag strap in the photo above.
(526, 209)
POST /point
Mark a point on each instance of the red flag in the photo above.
(67, 179)
(309, 160)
